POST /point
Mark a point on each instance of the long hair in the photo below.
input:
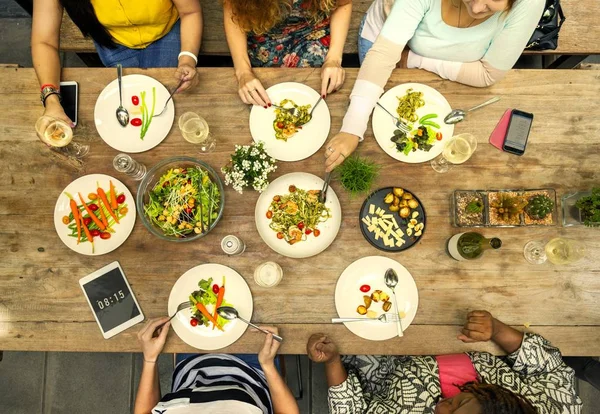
(497, 400)
(259, 16)
(83, 15)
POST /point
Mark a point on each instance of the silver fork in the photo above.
(323, 194)
(386, 318)
(399, 124)
(181, 306)
(170, 96)
(293, 111)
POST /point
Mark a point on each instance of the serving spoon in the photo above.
(230, 313)
(457, 115)
(122, 114)
(391, 280)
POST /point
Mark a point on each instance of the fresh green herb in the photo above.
(146, 117)
(357, 174)
(590, 208)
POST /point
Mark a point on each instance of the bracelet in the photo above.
(49, 85)
(190, 54)
(47, 92)
(150, 362)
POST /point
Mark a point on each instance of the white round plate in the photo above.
(370, 271)
(313, 245)
(384, 126)
(305, 142)
(237, 293)
(127, 139)
(85, 185)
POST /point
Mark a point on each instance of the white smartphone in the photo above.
(112, 301)
(69, 92)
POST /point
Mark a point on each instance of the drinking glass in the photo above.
(195, 130)
(559, 251)
(57, 134)
(457, 150)
(128, 166)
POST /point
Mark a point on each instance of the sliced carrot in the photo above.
(109, 207)
(91, 214)
(87, 233)
(219, 301)
(103, 216)
(205, 312)
(113, 197)
(76, 217)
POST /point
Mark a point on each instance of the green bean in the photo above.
(431, 124)
(426, 117)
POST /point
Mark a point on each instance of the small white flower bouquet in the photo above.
(250, 166)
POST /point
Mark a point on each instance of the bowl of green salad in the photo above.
(180, 199)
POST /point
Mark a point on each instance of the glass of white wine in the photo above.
(457, 150)
(559, 251)
(195, 130)
(57, 134)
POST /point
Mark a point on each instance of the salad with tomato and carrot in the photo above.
(422, 138)
(205, 302)
(96, 215)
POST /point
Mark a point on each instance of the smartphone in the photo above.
(517, 133)
(69, 92)
(499, 133)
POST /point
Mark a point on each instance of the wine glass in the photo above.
(559, 251)
(195, 130)
(57, 134)
(457, 150)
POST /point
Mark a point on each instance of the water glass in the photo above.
(58, 135)
(457, 150)
(195, 130)
(123, 163)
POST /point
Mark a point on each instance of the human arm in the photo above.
(482, 326)
(148, 394)
(250, 89)
(332, 73)
(45, 32)
(190, 14)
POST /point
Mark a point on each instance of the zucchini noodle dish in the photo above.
(285, 123)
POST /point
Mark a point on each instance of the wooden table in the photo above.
(42, 306)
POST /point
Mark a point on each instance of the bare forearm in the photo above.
(148, 394)
(283, 400)
(339, 24)
(237, 41)
(191, 32)
(46, 63)
(506, 337)
(335, 372)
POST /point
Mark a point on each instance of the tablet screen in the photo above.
(111, 299)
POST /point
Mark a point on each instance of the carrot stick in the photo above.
(77, 217)
(87, 233)
(91, 214)
(219, 301)
(205, 312)
(109, 207)
(103, 216)
(113, 197)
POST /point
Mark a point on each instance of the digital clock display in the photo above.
(111, 299)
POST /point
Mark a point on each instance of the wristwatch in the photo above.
(47, 91)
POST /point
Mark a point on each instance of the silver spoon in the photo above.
(122, 114)
(391, 280)
(229, 313)
(457, 115)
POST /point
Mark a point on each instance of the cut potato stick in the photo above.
(91, 214)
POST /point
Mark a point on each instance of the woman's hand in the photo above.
(338, 149)
(321, 349)
(152, 345)
(480, 327)
(332, 76)
(267, 354)
(55, 110)
(186, 72)
(251, 90)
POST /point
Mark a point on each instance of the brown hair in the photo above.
(510, 5)
(495, 399)
(259, 16)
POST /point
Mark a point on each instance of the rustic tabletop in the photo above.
(42, 306)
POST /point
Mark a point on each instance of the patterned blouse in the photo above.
(410, 385)
(296, 41)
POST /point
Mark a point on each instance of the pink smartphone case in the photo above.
(499, 133)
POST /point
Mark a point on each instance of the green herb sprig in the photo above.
(358, 174)
(590, 208)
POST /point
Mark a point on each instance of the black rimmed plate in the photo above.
(376, 198)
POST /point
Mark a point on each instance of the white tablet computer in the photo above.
(112, 301)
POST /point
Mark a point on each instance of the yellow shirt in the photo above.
(136, 23)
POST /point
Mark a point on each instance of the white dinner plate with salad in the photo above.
(104, 240)
(363, 278)
(435, 108)
(297, 145)
(141, 123)
(200, 334)
(297, 232)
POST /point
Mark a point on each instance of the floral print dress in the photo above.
(296, 41)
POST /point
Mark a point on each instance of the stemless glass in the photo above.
(559, 251)
(195, 130)
(457, 150)
(57, 134)
(123, 163)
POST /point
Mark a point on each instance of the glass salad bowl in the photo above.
(180, 199)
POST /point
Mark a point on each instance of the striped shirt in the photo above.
(216, 383)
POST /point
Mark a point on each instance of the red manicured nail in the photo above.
(269, 105)
(265, 106)
(323, 96)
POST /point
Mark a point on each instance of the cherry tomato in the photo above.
(93, 207)
(95, 232)
(194, 322)
(188, 210)
(165, 184)
(307, 231)
(121, 198)
(92, 196)
(280, 235)
(136, 122)
(276, 198)
(301, 225)
(438, 136)
(105, 236)
(292, 188)
(280, 125)
(365, 288)
(317, 232)
(215, 289)
(66, 220)
(87, 221)
(123, 210)
(269, 214)
(135, 100)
